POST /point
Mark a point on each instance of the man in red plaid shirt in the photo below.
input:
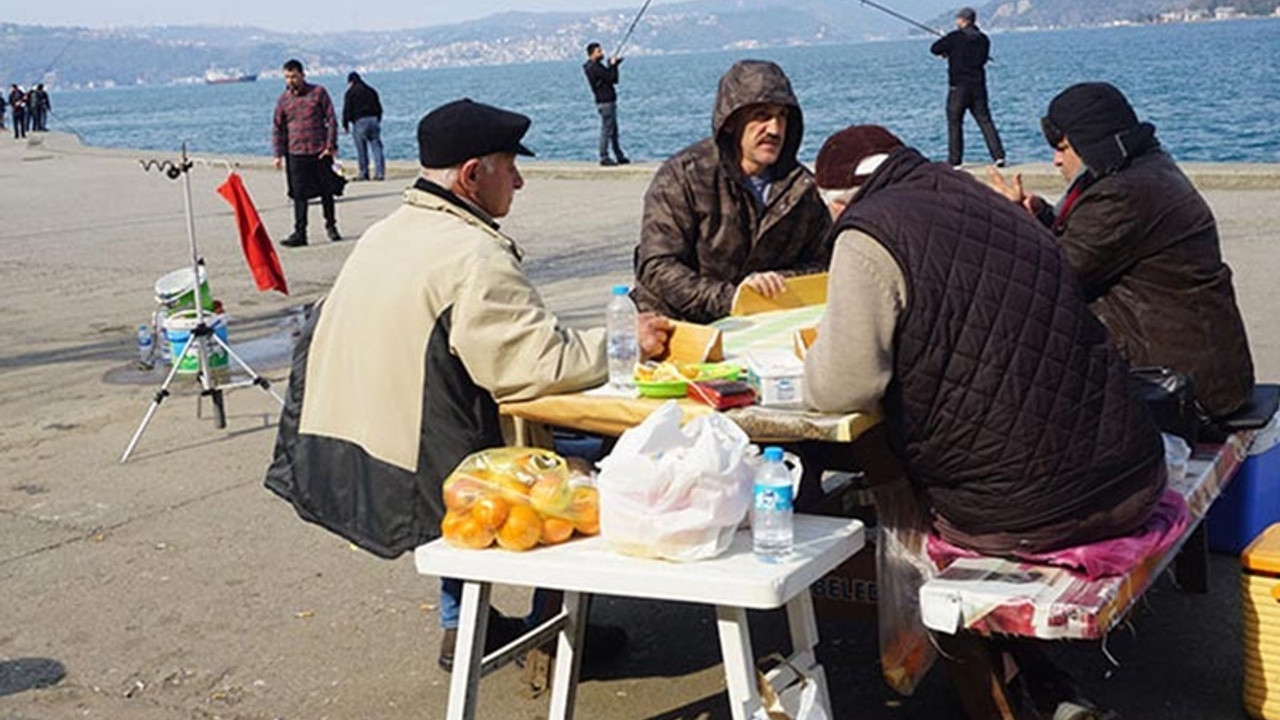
(304, 135)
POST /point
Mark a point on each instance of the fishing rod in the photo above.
(632, 28)
(901, 17)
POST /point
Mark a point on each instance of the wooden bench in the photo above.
(989, 596)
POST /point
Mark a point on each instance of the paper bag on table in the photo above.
(676, 493)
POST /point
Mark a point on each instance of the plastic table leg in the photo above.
(564, 687)
(739, 663)
(468, 654)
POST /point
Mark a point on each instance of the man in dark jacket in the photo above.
(602, 77)
(967, 51)
(736, 208)
(304, 140)
(18, 101)
(39, 108)
(362, 109)
(1144, 244)
(376, 420)
(1004, 399)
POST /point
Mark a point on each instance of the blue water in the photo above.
(1212, 89)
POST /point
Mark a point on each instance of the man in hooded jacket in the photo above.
(734, 209)
(1144, 243)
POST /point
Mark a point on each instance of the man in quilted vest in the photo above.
(1004, 398)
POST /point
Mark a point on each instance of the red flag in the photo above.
(258, 251)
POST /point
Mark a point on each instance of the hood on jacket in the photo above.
(754, 82)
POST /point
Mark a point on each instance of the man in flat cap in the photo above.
(735, 209)
(1144, 243)
(430, 324)
(1004, 399)
(967, 50)
(304, 138)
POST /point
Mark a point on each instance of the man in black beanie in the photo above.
(1144, 243)
(430, 325)
(967, 51)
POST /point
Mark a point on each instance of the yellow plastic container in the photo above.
(1260, 592)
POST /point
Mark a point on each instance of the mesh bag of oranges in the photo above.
(517, 498)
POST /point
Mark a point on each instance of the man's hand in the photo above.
(768, 284)
(279, 163)
(1013, 190)
(616, 61)
(326, 153)
(652, 333)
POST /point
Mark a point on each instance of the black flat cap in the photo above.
(458, 131)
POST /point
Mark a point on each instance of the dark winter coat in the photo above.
(967, 51)
(1145, 245)
(360, 101)
(703, 230)
(602, 78)
(1009, 405)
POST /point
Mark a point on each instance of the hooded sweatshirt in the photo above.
(704, 228)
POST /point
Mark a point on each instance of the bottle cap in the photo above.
(621, 289)
(773, 453)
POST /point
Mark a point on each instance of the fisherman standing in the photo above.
(362, 110)
(967, 50)
(603, 76)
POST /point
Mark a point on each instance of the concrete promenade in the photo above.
(175, 586)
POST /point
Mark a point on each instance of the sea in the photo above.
(1212, 89)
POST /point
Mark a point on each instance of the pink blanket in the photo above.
(1116, 556)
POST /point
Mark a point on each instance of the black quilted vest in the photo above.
(1009, 404)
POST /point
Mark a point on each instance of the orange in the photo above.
(556, 530)
(548, 495)
(585, 509)
(512, 488)
(449, 525)
(522, 529)
(469, 533)
(491, 511)
(462, 492)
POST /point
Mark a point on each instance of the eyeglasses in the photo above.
(1052, 133)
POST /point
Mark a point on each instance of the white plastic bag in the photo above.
(676, 493)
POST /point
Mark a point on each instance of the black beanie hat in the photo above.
(1100, 124)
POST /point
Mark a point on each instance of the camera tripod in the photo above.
(202, 336)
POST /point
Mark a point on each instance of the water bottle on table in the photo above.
(623, 346)
(771, 508)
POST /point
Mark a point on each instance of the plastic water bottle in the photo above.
(771, 521)
(623, 346)
(145, 347)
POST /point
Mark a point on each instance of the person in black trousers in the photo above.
(967, 50)
(18, 101)
(602, 78)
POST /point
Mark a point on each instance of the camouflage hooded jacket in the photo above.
(703, 230)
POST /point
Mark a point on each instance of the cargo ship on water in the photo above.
(222, 77)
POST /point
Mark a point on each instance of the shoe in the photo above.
(624, 161)
(1000, 162)
(297, 239)
(608, 162)
(332, 232)
(502, 630)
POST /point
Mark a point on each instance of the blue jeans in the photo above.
(451, 604)
(609, 130)
(368, 136)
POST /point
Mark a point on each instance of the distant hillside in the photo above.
(1078, 13)
(78, 56)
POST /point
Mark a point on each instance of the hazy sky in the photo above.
(299, 14)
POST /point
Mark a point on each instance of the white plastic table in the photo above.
(733, 583)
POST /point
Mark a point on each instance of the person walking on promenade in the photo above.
(304, 137)
(18, 101)
(362, 110)
(603, 76)
(967, 51)
(38, 108)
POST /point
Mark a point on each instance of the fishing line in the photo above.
(901, 17)
(632, 28)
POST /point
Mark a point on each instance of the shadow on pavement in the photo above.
(25, 674)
